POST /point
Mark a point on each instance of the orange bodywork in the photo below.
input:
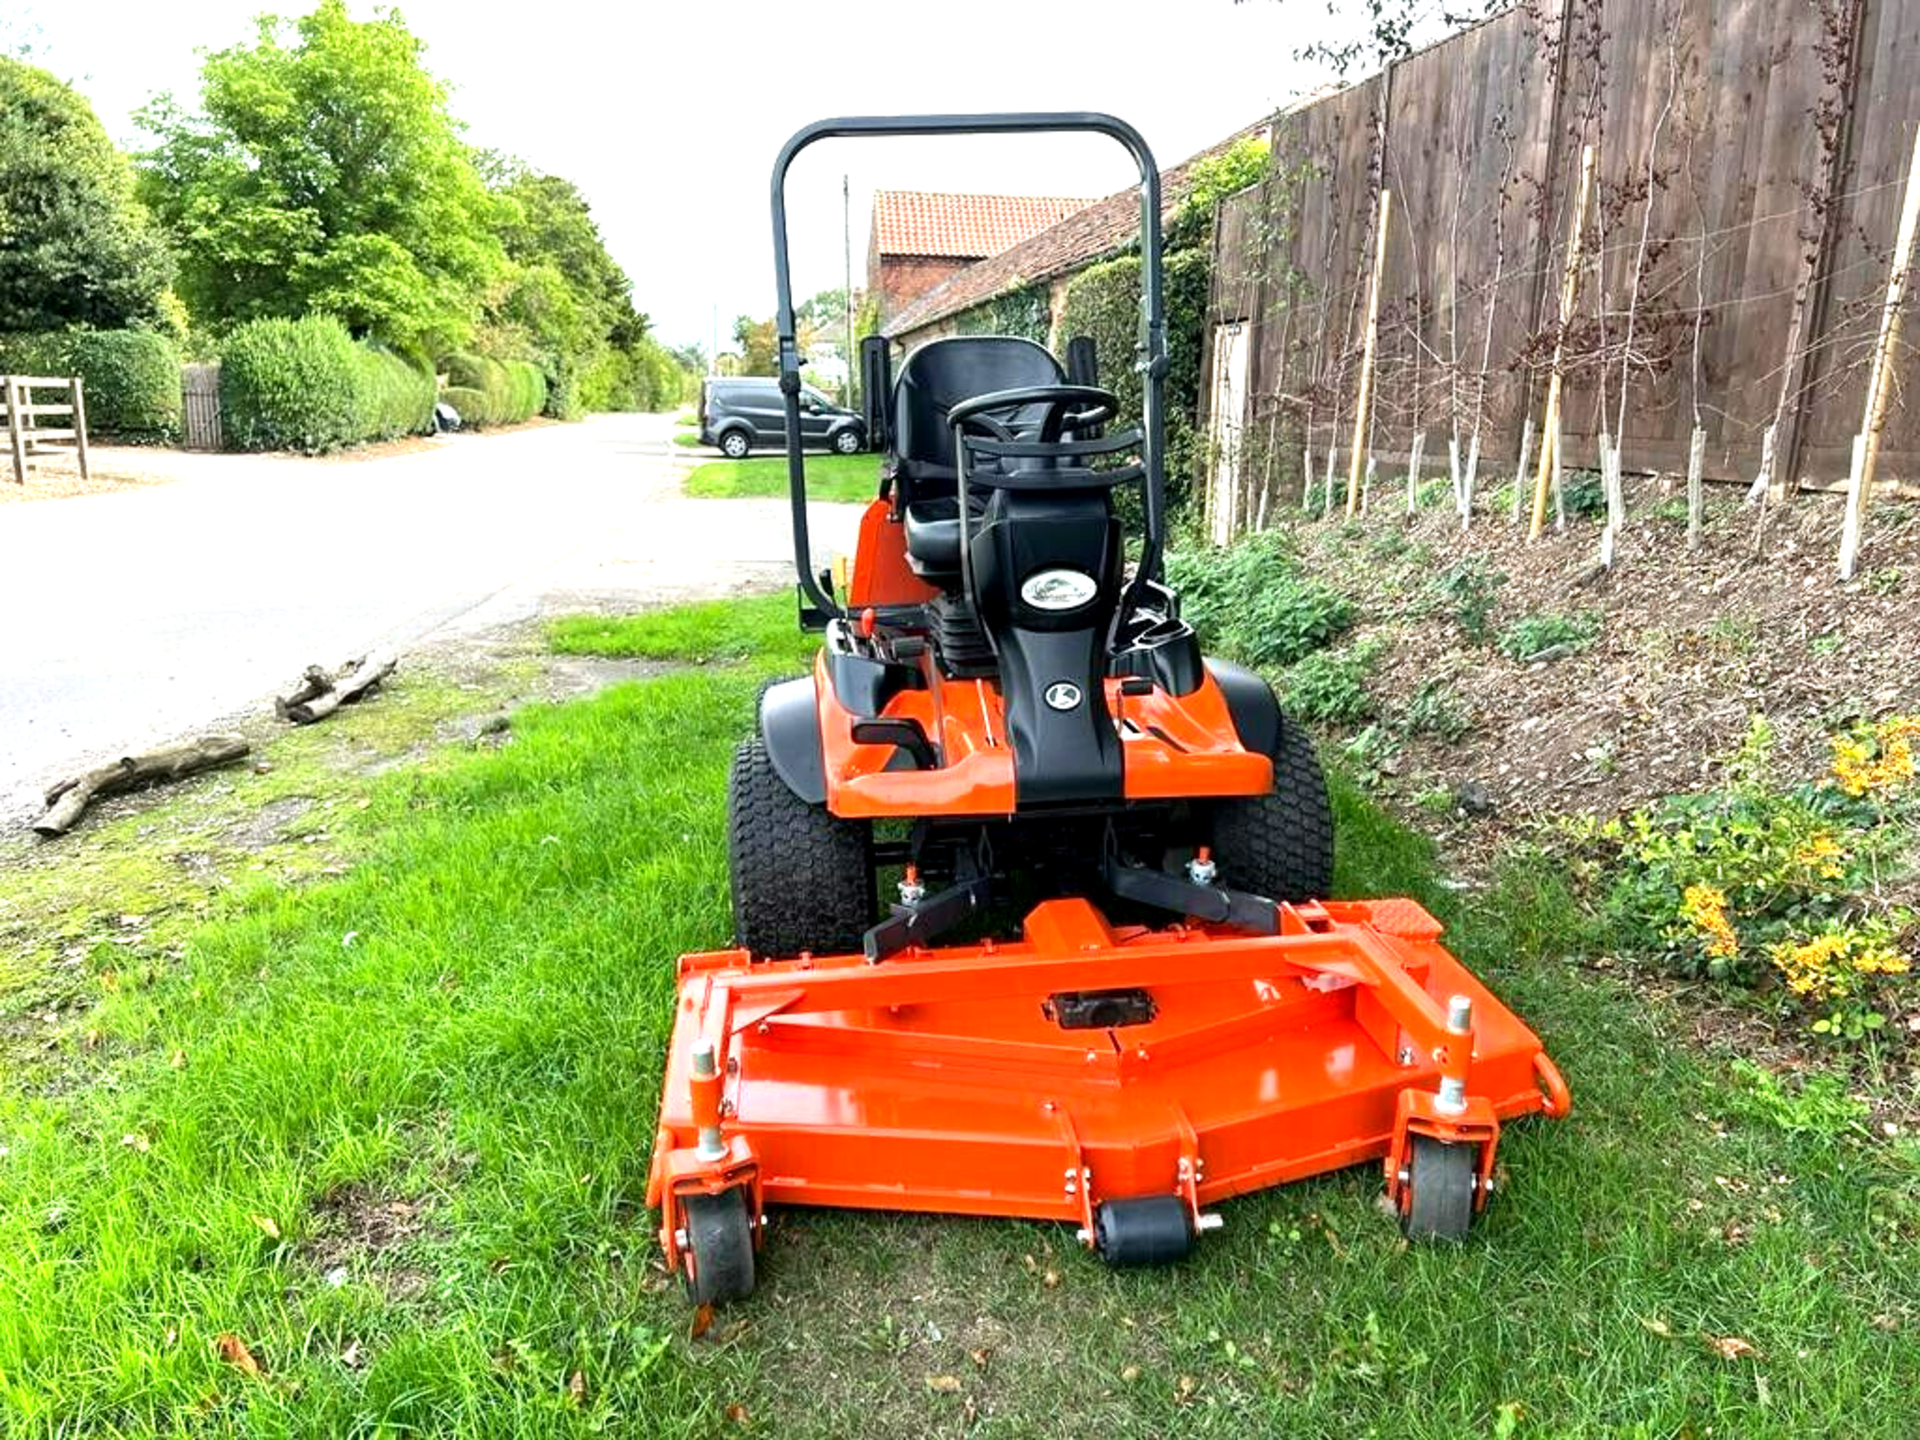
(934, 1080)
(1172, 747)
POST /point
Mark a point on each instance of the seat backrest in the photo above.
(939, 375)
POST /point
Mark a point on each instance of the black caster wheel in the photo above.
(1440, 1178)
(1146, 1230)
(717, 1257)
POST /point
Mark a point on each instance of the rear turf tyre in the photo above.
(717, 1259)
(1280, 844)
(735, 444)
(802, 878)
(847, 442)
(1440, 1179)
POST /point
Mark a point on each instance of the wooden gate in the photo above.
(28, 437)
(200, 406)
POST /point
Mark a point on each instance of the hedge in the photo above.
(1103, 302)
(304, 385)
(496, 393)
(132, 376)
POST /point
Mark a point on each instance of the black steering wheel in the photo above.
(1076, 407)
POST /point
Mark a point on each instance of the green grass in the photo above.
(686, 420)
(689, 439)
(435, 1078)
(851, 478)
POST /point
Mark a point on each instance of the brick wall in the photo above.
(902, 279)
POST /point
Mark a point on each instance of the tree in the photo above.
(759, 353)
(324, 173)
(76, 248)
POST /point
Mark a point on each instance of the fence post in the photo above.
(80, 426)
(16, 442)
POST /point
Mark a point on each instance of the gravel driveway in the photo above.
(134, 616)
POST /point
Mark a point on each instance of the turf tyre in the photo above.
(719, 1248)
(1440, 1184)
(801, 878)
(1280, 844)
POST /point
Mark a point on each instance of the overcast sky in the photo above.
(668, 116)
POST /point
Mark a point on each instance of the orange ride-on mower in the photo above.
(998, 710)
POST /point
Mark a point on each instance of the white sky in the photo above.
(668, 116)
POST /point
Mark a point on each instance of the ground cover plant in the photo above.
(854, 479)
(364, 1155)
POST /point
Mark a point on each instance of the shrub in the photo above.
(469, 403)
(1535, 636)
(1757, 883)
(1255, 602)
(132, 376)
(399, 396)
(496, 393)
(304, 385)
(1467, 588)
(1329, 687)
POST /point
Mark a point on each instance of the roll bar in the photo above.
(1151, 350)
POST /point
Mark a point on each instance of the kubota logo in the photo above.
(1058, 589)
(1063, 695)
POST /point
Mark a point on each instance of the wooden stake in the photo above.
(1453, 466)
(1363, 410)
(1520, 470)
(1559, 479)
(1413, 471)
(1333, 447)
(16, 438)
(1860, 487)
(1466, 483)
(1696, 487)
(1850, 527)
(1569, 290)
(1306, 476)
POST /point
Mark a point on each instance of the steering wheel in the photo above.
(1077, 407)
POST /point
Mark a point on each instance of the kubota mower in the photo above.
(998, 710)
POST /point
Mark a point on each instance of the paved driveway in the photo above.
(128, 618)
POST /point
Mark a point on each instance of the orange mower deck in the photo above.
(942, 1080)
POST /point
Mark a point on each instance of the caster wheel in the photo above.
(717, 1259)
(1148, 1230)
(1440, 1177)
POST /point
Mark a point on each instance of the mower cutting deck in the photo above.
(1119, 1079)
(1007, 702)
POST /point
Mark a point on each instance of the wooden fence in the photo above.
(29, 437)
(1751, 156)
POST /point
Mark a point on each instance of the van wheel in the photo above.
(734, 445)
(847, 442)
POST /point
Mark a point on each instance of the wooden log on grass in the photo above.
(320, 694)
(70, 797)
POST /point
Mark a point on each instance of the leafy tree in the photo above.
(1243, 163)
(323, 173)
(75, 246)
(758, 346)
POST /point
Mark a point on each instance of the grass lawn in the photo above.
(851, 478)
(388, 1130)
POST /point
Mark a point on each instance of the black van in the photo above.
(738, 413)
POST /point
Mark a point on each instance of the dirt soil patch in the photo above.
(1689, 647)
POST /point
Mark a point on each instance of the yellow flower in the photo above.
(1823, 856)
(1705, 908)
(1877, 761)
(1823, 966)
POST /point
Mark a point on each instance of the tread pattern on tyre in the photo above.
(1442, 1176)
(802, 879)
(720, 1233)
(1280, 844)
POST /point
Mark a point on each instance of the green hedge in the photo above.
(132, 376)
(467, 402)
(304, 385)
(498, 394)
(1103, 301)
(399, 395)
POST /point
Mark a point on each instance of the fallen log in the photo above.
(70, 797)
(320, 695)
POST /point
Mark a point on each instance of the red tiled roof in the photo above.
(1087, 235)
(961, 227)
